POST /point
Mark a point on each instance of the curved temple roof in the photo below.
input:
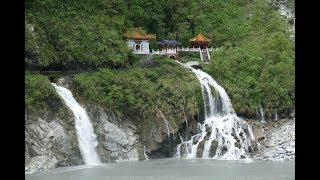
(168, 42)
(200, 38)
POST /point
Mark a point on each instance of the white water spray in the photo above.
(145, 153)
(261, 114)
(187, 125)
(181, 139)
(86, 137)
(223, 135)
(166, 123)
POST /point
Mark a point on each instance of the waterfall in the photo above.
(181, 139)
(261, 114)
(86, 137)
(276, 116)
(208, 98)
(145, 153)
(166, 123)
(178, 154)
(187, 125)
(198, 127)
(223, 135)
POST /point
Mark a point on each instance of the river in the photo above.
(173, 169)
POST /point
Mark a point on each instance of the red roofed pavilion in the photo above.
(200, 41)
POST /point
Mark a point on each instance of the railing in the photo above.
(211, 49)
(173, 50)
(208, 54)
(193, 49)
(200, 54)
(176, 50)
(188, 49)
(158, 51)
(141, 52)
(168, 51)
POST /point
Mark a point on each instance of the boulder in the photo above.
(213, 148)
(200, 149)
(49, 143)
(118, 139)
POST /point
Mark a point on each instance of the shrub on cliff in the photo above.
(41, 99)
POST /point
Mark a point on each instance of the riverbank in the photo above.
(276, 139)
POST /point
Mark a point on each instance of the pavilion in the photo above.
(169, 48)
(200, 41)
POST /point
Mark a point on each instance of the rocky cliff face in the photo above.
(276, 139)
(286, 8)
(279, 143)
(123, 139)
(118, 139)
(154, 135)
(50, 142)
(51, 138)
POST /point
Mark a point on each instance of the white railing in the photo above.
(193, 49)
(213, 49)
(208, 54)
(173, 50)
(210, 49)
(141, 52)
(176, 50)
(158, 51)
(164, 51)
(188, 49)
(200, 54)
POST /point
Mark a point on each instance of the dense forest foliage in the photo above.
(259, 69)
(41, 99)
(254, 63)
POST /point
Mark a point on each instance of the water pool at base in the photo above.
(173, 169)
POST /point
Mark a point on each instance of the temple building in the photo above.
(168, 44)
(168, 48)
(200, 41)
(138, 40)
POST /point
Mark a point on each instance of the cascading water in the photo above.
(187, 125)
(261, 114)
(145, 153)
(223, 135)
(181, 139)
(86, 137)
(166, 123)
(276, 116)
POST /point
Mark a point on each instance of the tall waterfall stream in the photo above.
(86, 136)
(223, 135)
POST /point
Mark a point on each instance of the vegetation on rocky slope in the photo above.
(41, 99)
(142, 93)
(255, 63)
(260, 68)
